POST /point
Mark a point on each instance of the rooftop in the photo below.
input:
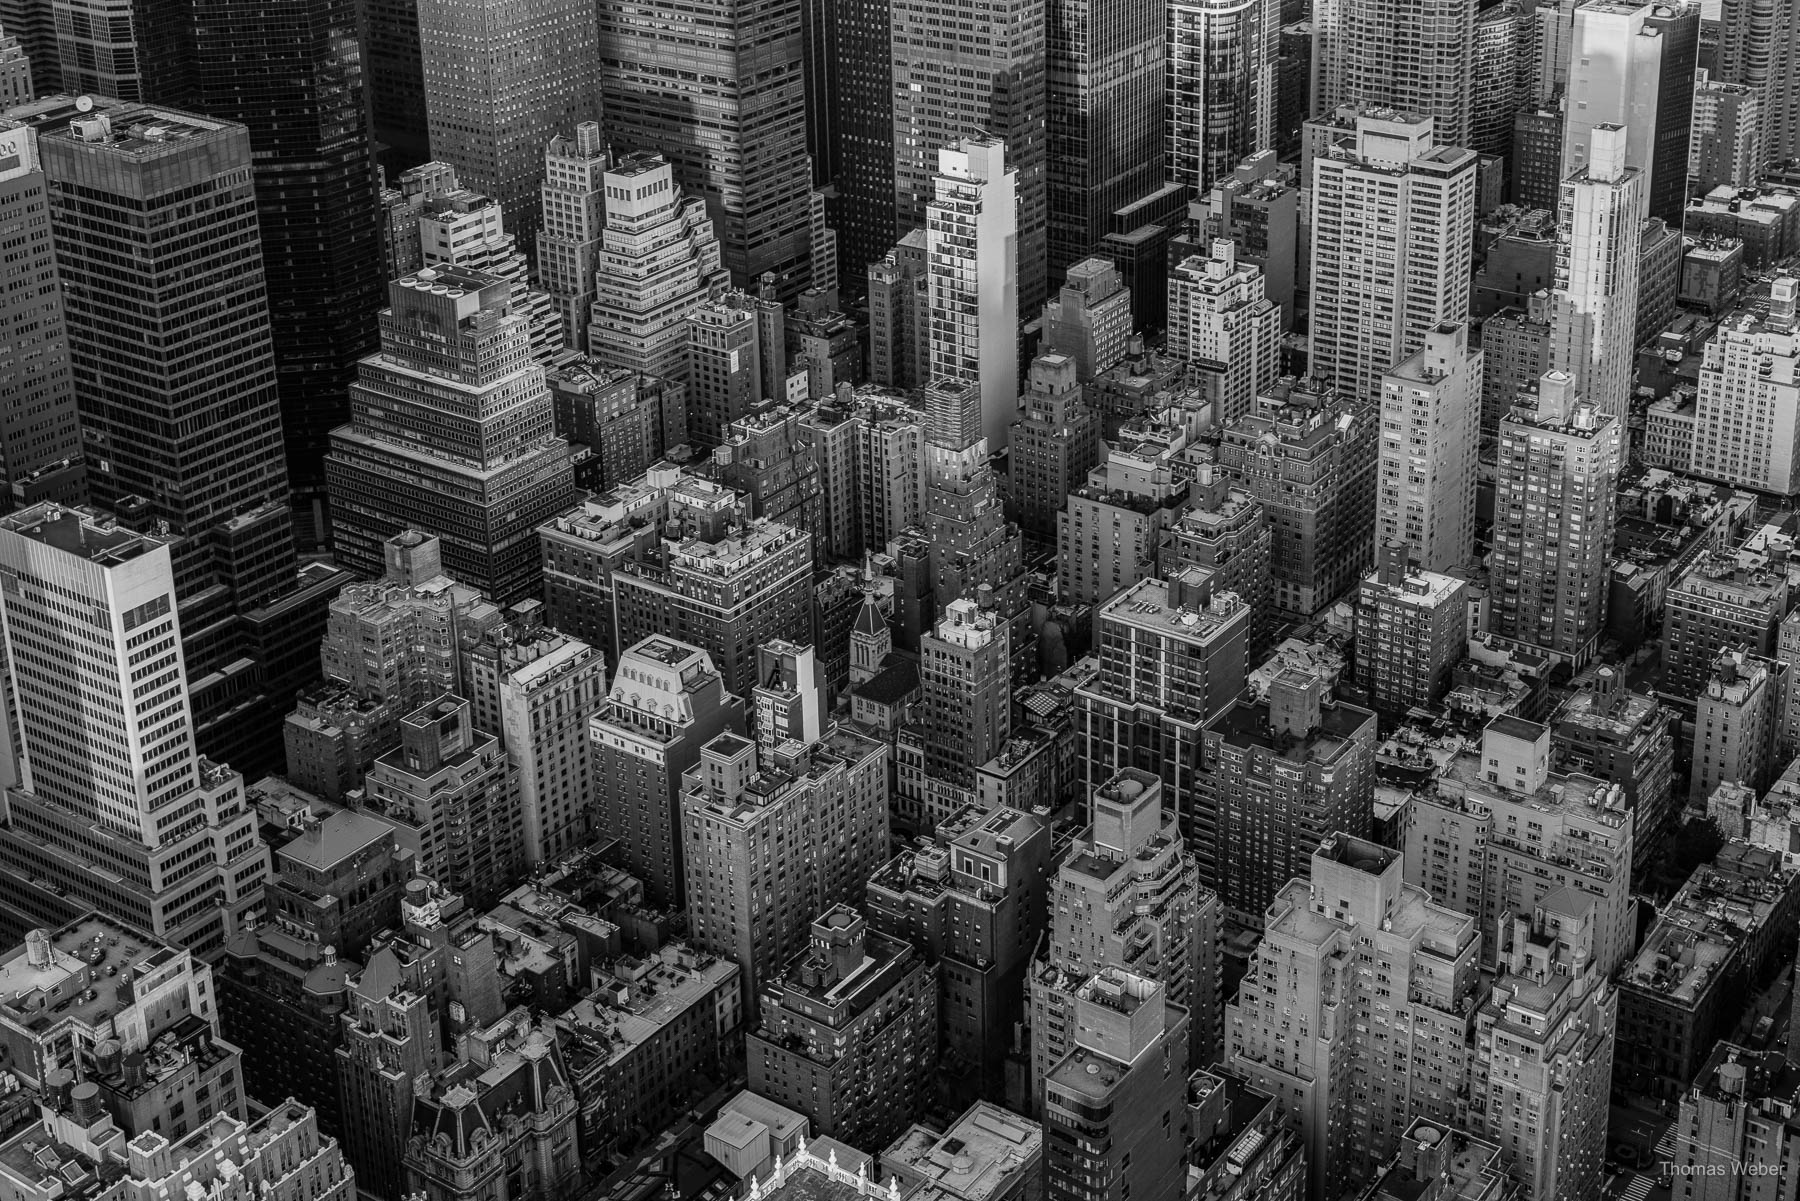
(334, 838)
(1245, 726)
(83, 972)
(1706, 924)
(119, 128)
(81, 532)
(1163, 607)
(639, 998)
(981, 1153)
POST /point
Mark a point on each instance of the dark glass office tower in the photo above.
(718, 87)
(980, 75)
(32, 22)
(154, 215)
(396, 83)
(291, 72)
(126, 49)
(1106, 92)
(1679, 24)
(40, 432)
(862, 133)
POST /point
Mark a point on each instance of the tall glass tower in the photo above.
(291, 72)
(154, 216)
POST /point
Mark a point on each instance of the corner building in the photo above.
(1357, 1011)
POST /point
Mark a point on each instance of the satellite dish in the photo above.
(84, 104)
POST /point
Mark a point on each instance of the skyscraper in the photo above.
(972, 247)
(1125, 895)
(1501, 75)
(1461, 841)
(1615, 70)
(1386, 54)
(138, 50)
(401, 129)
(1759, 46)
(451, 433)
(899, 298)
(1103, 118)
(1391, 216)
(1632, 63)
(771, 841)
(1553, 520)
(291, 72)
(1310, 458)
(847, 1032)
(658, 263)
(40, 437)
(114, 807)
(1110, 1091)
(1223, 323)
(574, 222)
(1430, 430)
(1221, 86)
(1411, 628)
(860, 162)
(1545, 1040)
(1090, 318)
(987, 80)
(458, 227)
(1171, 658)
(727, 588)
(16, 85)
(1593, 306)
(743, 67)
(1054, 443)
(154, 216)
(1678, 24)
(965, 679)
(1292, 1031)
(1280, 776)
(33, 24)
(1728, 139)
(1746, 427)
(973, 892)
(502, 77)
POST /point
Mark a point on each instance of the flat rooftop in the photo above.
(78, 532)
(87, 978)
(119, 128)
(977, 1157)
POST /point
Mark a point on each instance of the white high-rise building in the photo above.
(972, 247)
(574, 221)
(1615, 70)
(1430, 433)
(1593, 305)
(114, 807)
(659, 262)
(1223, 324)
(1747, 415)
(1221, 86)
(1391, 216)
